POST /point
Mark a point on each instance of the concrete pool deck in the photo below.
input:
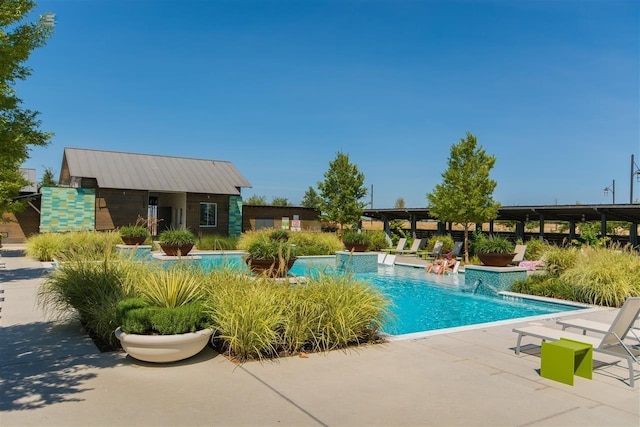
(52, 374)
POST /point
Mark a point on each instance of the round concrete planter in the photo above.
(496, 259)
(163, 348)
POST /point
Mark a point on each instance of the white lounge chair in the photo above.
(399, 247)
(454, 269)
(381, 258)
(593, 326)
(612, 343)
(415, 247)
(389, 260)
(519, 254)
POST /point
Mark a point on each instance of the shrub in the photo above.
(378, 241)
(306, 242)
(85, 245)
(176, 237)
(45, 246)
(133, 231)
(535, 249)
(544, 285)
(447, 243)
(92, 290)
(557, 260)
(216, 243)
(136, 316)
(355, 236)
(493, 244)
(172, 287)
(604, 277)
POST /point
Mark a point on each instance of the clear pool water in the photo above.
(418, 302)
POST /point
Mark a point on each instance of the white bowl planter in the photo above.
(163, 348)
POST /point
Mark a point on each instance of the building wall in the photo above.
(308, 216)
(115, 208)
(193, 214)
(67, 209)
(15, 228)
(235, 216)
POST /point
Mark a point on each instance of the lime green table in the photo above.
(562, 359)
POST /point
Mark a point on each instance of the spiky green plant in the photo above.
(558, 260)
(171, 287)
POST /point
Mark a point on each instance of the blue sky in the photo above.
(551, 88)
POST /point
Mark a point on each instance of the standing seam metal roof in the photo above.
(120, 170)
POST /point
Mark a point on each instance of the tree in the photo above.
(399, 203)
(341, 191)
(465, 194)
(256, 200)
(280, 201)
(48, 179)
(312, 199)
(19, 127)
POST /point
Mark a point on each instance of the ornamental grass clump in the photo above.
(258, 318)
(603, 276)
(91, 291)
(84, 245)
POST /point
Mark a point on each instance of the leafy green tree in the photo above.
(342, 191)
(256, 200)
(311, 199)
(48, 179)
(465, 195)
(19, 127)
(280, 201)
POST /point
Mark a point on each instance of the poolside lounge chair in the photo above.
(401, 242)
(434, 253)
(452, 267)
(381, 258)
(389, 259)
(414, 248)
(456, 252)
(519, 251)
(612, 343)
(593, 326)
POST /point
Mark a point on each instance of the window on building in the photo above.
(208, 214)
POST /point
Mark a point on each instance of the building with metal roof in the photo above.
(171, 192)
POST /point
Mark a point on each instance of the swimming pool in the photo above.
(420, 303)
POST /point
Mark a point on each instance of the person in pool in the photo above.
(437, 266)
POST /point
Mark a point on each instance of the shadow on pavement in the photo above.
(7, 276)
(45, 363)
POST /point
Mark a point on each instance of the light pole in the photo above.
(635, 170)
(612, 189)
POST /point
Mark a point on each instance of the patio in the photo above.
(54, 375)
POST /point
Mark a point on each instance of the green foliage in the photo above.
(279, 235)
(492, 244)
(133, 231)
(174, 236)
(85, 245)
(604, 277)
(305, 242)
(341, 191)
(256, 200)
(377, 240)
(136, 318)
(19, 129)
(465, 195)
(544, 285)
(589, 234)
(92, 290)
(280, 201)
(447, 243)
(48, 179)
(558, 260)
(263, 247)
(172, 287)
(311, 199)
(355, 236)
(261, 318)
(216, 243)
(597, 276)
(535, 249)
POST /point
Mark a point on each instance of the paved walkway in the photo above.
(53, 375)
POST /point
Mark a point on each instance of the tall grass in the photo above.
(92, 291)
(173, 287)
(256, 318)
(306, 242)
(216, 243)
(557, 260)
(604, 277)
(85, 245)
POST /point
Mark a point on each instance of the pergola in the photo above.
(572, 214)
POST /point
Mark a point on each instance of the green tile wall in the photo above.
(67, 209)
(235, 216)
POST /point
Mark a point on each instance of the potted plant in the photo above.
(176, 242)
(355, 240)
(494, 251)
(271, 254)
(168, 321)
(133, 234)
